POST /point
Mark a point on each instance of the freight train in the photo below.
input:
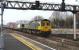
(41, 28)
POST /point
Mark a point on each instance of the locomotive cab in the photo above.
(45, 28)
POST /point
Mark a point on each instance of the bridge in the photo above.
(39, 6)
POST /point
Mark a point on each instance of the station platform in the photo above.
(15, 41)
(11, 43)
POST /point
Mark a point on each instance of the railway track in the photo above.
(55, 42)
(65, 41)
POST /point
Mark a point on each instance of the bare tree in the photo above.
(61, 19)
(38, 18)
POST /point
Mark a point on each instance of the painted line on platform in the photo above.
(25, 42)
(36, 42)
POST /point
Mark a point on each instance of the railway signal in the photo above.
(36, 6)
(62, 6)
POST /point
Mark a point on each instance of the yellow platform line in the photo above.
(25, 42)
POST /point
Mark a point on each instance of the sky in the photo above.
(11, 15)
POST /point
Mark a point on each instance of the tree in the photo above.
(38, 18)
(68, 22)
(62, 19)
(77, 17)
(57, 19)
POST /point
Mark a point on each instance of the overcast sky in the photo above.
(11, 15)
